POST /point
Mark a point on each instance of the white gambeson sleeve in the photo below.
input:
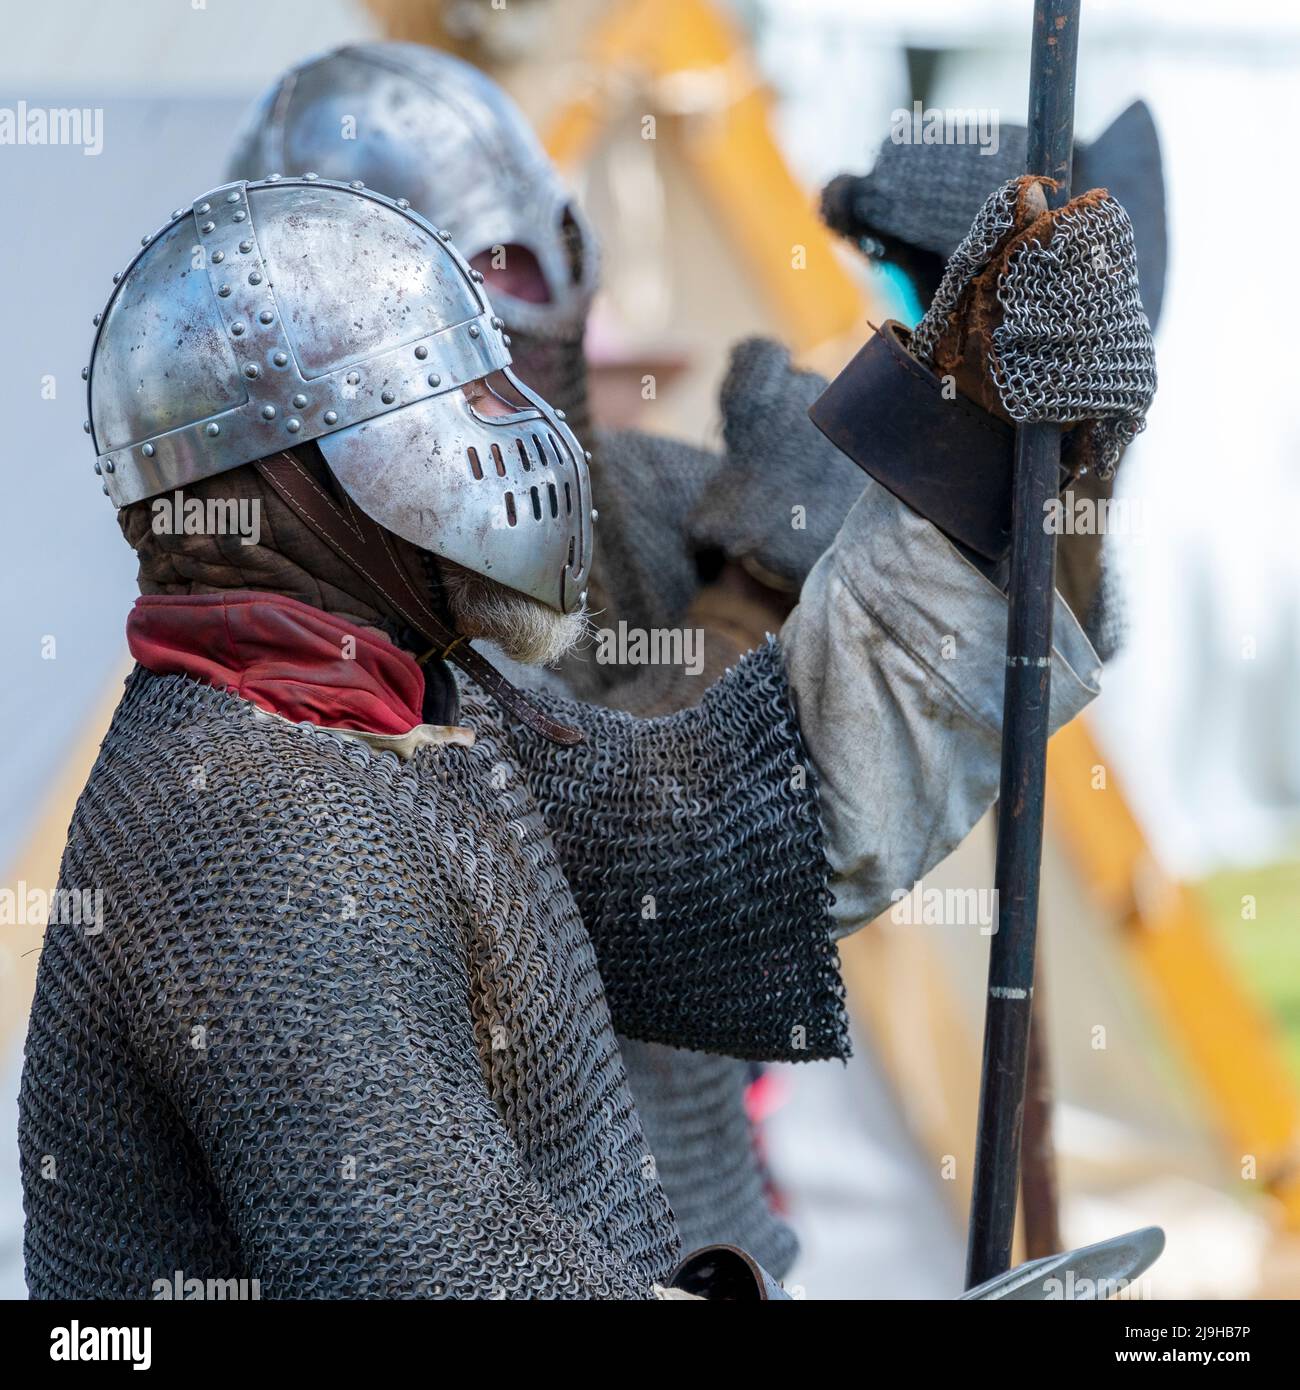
(896, 656)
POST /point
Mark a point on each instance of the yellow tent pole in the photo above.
(689, 47)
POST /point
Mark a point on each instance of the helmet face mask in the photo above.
(287, 310)
(502, 490)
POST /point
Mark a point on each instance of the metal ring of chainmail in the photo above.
(1074, 343)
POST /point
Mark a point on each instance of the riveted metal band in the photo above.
(283, 406)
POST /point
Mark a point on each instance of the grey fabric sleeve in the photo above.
(693, 846)
(896, 655)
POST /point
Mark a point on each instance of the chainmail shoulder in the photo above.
(693, 845)
(340, 1028)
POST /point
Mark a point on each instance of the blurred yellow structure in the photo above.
(1230, 1045)
(690, 56)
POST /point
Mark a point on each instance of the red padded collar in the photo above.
(283, 655)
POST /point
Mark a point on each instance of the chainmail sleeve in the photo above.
(693, 845)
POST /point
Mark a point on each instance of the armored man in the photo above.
(370, 922)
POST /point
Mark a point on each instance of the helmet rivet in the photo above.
(218, 257)
(255, 277)
(212, 430)
(559, 415)
(498, 323)
(268, 412)
(105, 489)
(445, 234)
(434, 379)
(146, 239)
(505, 338)
(252, 371)
(476, 276)
(387, 397)
(403, 203)
(237, 330)
(232, 197)
(96, 319)
(280, 358)
(595, 515)
(353, 378)
(109, 466)
(224, 291)
(473, 330)
(331, 417)
(245, 246)
(98, 469)
(586, 453)
(300, 400)
(85, 425)
(117, 275)
(422, 352)
(293, 426)
(208, 227)
(274, 178)
(177, 212)
(266, 316)
(356, 183)
(239, 216)
(85, 373)
(310, 175)
(147, 450)
(202, 208)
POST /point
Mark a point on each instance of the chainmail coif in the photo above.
(341, 1028)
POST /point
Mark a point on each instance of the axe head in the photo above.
(1091, 1273)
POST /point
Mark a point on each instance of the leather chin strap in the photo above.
(364, 545)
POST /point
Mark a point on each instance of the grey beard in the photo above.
(524, 628)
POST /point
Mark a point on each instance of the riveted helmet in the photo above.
(292, 309)
(417, 122)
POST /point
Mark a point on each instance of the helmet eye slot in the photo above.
(475, 467)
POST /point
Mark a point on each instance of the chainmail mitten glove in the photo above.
(1038, 317)
(782, 490)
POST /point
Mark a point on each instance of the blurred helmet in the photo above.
(420, 124)
(294, 309)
